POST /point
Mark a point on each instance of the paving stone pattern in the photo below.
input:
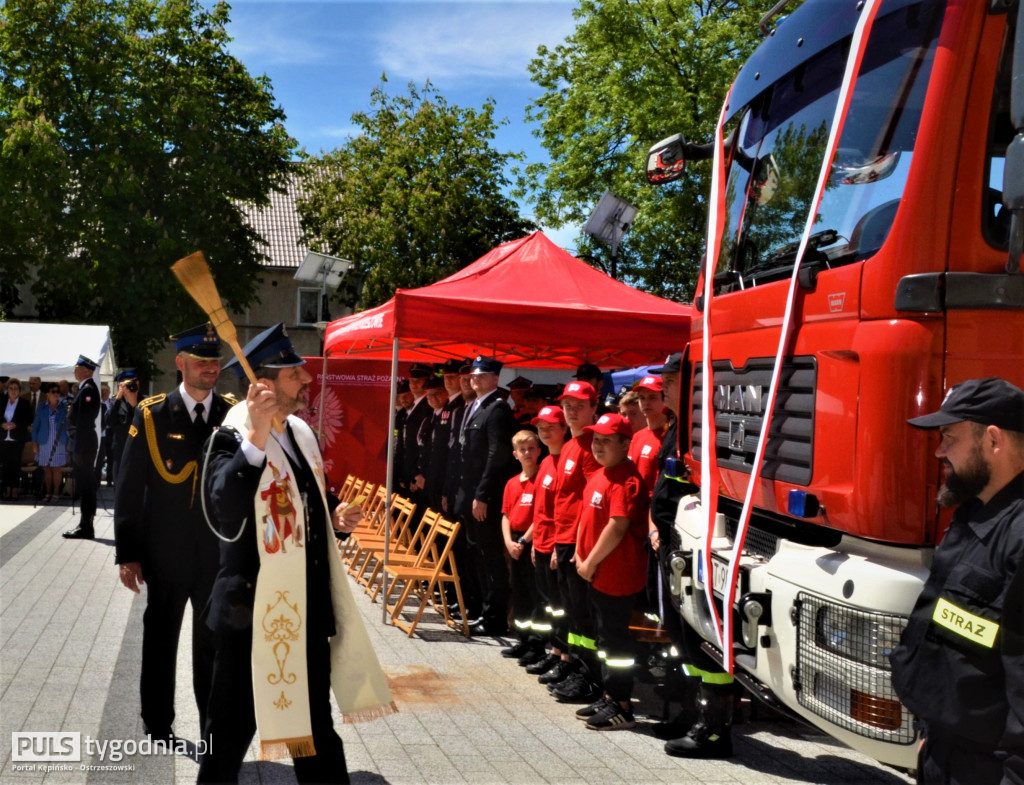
(70, 648)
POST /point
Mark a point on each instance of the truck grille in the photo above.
(739, 398)
(758, 542)
(843, 672)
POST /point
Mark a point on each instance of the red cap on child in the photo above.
(582, 390)
(552, 414)
(652, 383)
(611, 423)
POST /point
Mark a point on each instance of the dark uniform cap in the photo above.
(272, 348)
(200, 341)
(92, 365)
(434, 383)
(990, 401)
(673, 364)
(588, 371)
(520, 383)
(452, 366)
(403, 386)
(485, 365)
(421, 371)
(126, 374)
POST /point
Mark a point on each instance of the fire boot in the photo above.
(711, 735)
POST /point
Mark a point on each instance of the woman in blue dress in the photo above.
(50, 440)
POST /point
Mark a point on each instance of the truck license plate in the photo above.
(719, 576)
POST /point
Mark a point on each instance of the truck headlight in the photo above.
(862, 637)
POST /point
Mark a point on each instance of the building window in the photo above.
(309, 307)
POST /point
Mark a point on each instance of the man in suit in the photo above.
(84, 427)
(487, 464)
(34, 395)
(162, 538)
(280, 572)
(412, 451)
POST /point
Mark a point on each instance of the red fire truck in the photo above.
(873, 284)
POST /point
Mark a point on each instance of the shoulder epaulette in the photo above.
(153, 399)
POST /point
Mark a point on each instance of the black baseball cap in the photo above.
(673, 364)
(989, 401)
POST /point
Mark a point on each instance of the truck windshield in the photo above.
(782, 135)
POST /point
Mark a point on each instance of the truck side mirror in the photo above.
(1013, 173)
(666, 161)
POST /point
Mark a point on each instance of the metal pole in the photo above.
(387, 480)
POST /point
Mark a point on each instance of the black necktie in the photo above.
(198, 424)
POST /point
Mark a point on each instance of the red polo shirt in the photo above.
(575, 466)
(618, 492)
(546, 481)
(643, 451)
(517, 503)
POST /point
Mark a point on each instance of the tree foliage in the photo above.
(130, 138)
(415, 197)
(634, 72)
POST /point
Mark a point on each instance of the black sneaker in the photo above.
(532, 655)
(558, 673)
(516, 651)
(589, 711)
(544, 664)
(612, 717)
(580, 690)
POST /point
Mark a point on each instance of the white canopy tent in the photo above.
(50, 351)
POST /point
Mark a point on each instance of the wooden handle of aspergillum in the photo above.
(194, 274)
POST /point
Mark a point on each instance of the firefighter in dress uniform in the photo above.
(161, 536)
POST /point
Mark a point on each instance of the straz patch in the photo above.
(965, 623)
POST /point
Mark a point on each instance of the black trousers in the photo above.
(942, 761)
(486, 546)
(573, 590)
(231, 720)
(523, 588)
(85, 484)
(166, 596)
(10, 457)
(549, 603)
(616, 648)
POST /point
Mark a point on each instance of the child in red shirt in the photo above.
(517, 529)
(575, 466)
(610, 557)
(550, 622)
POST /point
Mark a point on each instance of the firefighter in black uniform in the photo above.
(960, 664)
(84, 427)
(161, 536)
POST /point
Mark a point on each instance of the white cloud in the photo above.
(469, 41)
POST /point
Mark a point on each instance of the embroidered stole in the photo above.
(280, 686)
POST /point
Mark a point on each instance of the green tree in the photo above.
(129, 138)
(634, 72)
(415, 197)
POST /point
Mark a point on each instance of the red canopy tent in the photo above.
(527, 302)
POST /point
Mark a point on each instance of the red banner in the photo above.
(354, 408)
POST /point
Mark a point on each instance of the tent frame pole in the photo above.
(390, 474)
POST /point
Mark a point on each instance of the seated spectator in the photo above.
(50, 441)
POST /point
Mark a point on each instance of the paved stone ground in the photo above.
(70, 641)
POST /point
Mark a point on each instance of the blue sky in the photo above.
(324, 58)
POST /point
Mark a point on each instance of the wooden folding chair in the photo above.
(402, 511)
(372, 523)
(399, 554)
(430, 573)
(346, 488)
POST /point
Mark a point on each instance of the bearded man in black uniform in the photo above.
(161, 536)
(84, 427)
(959, 666)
